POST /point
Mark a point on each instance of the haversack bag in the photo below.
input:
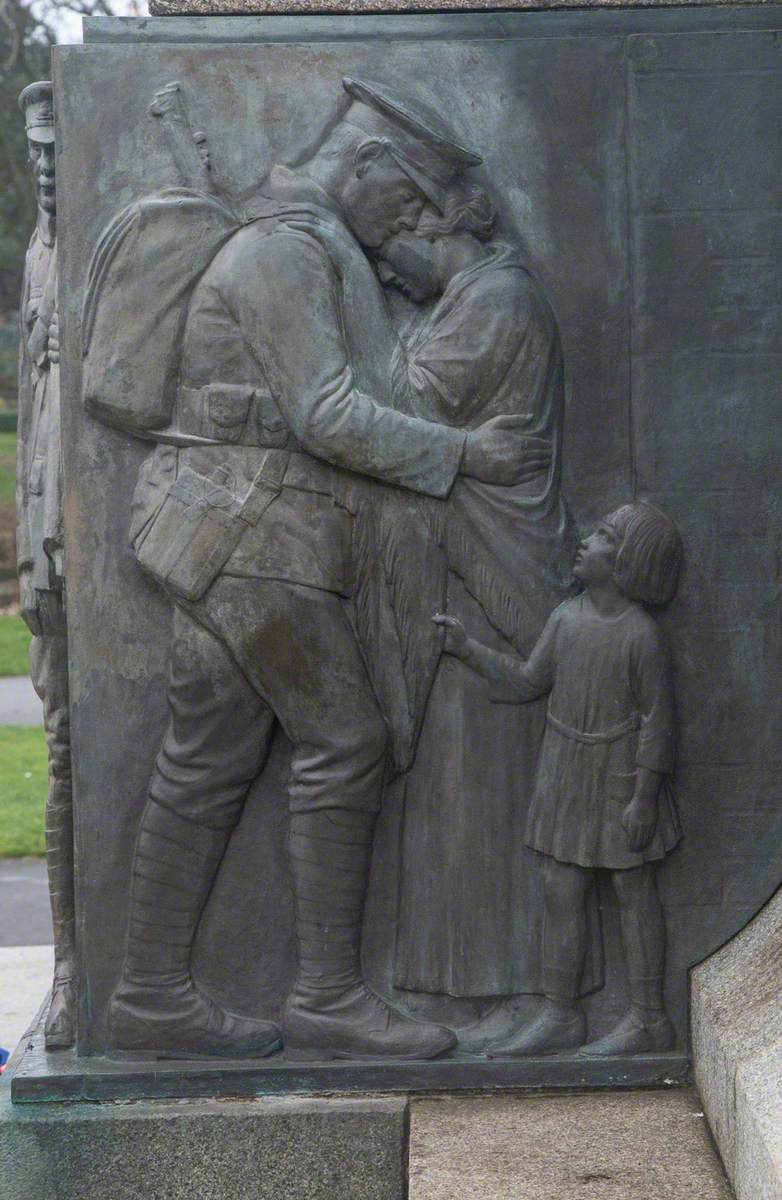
(143, 270)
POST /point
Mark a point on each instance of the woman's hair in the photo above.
(649, 555)
(467, 210)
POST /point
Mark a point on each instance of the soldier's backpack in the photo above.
(146, 263)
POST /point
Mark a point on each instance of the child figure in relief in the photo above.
(601, 797)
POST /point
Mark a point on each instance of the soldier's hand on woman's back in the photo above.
(53, 342)
(500, 452)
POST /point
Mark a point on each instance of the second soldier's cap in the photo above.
(37, 105)
(417, 140)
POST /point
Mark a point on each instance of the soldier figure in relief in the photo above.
(40, 543)
(281, 417)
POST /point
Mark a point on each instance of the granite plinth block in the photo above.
(737, 1051)
(207, 7)
(264, 1149)
(192, 26)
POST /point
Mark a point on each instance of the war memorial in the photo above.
(400, 535)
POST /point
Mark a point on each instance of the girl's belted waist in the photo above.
(596, 737)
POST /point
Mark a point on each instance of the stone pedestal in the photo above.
(260, 1149)
(737, 1052)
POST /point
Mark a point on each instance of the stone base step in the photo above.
(630, 1146)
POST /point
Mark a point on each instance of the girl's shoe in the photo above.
(636, 1033)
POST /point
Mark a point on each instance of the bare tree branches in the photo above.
(28, 28)
(38, 21)
(13, 21)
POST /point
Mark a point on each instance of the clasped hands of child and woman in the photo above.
(640, 815)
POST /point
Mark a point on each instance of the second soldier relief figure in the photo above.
(40, 544)
(319, 483)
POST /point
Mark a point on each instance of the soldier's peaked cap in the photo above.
(37, 105)
(416, 139)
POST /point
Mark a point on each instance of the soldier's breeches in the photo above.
(49, 674)
(252, 652)
(218, 732)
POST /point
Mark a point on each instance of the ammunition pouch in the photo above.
(200, 523)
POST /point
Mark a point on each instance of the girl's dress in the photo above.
(610, 711)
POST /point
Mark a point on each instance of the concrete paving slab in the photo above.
(617, 1146)
(25, 978)
(25, 916)
(19, 704)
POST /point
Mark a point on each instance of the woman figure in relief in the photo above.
(471, 895)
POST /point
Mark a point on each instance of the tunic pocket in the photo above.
(228, 407)
(272, 430)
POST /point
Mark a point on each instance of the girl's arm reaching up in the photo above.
(512, 681)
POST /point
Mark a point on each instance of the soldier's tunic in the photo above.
(269, 367)
(40, 552)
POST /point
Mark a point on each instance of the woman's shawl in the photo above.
(490, 348)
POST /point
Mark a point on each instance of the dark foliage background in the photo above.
(24, 56)
(28, 29)
(25, 40)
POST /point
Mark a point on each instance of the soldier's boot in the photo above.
(156, 1010)
(331, 1012)
(60, 1028)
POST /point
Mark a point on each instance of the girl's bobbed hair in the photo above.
(650, 553)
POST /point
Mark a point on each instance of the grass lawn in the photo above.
(7, 513)
(7, 468)
(23, 785)
(14, 641)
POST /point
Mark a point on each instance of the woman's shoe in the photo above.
(552, 1031)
